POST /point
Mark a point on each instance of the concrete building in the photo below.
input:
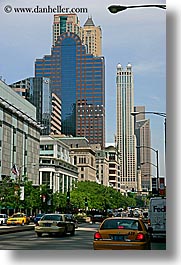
(102, 165)
(125, 138)
(37, 90)
(82, 155)
(143, 136)
(19, 136)
(56, 168)
(114, 168)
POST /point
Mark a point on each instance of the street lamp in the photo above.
(162, 114)
(157, 166)
(117, 8)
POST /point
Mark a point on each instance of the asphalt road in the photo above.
(83, 239)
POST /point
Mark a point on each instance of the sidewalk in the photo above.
(4, 229)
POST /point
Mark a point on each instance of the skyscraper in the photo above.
(143, 136)
(126, 140)
(78, 79)
(89, 34)
(65, 23)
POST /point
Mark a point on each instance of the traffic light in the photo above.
(86, 202)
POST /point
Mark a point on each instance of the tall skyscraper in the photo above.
(78, 79)
(89, 34)
(126, 140)
(65, 23)
(143, 136)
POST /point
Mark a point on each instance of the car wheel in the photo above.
(73, 232)
(39, 234)
(65, 231)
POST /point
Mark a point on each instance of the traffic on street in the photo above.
(83, 239)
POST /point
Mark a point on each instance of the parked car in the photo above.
(122, 233)
(3, 218)
(59, 224)
(38, 217)
(18, 219)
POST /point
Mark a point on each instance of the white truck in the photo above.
(157, 217)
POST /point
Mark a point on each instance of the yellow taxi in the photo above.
(122, 233)
(18, 219)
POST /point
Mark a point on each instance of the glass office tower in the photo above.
(78, 79)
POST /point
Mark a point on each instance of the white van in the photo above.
(157, 217)
(3, 218)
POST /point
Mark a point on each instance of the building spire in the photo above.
(89, 22)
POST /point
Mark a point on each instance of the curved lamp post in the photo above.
(162, 114)
(117, 8)
(157, 166)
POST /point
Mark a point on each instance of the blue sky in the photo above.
(136, 36)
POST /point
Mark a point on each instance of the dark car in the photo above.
(97, 218)
(72, 218)
(38, 217)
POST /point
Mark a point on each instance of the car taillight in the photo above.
(140, 236)
(97, 235)
(149, 222)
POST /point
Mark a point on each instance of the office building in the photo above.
(114, 167)
(82, 155)
(143, 136)
(19, 137)
(125, 138)
(56, 168)
(78, 79)
(90, 35)
(65, 23)
(37, 90)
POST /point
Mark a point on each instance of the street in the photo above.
(82, 239)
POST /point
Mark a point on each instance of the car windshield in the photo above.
(52, 217)
(120, 224)
(39, 215)
(18, 215)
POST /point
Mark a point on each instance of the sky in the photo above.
(136, 36)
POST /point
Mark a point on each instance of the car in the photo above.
(18, 219)
(72, 218)
(122, 233)
(38, 217)
(145, 216)
(3, 218)
(54, 223)
(97, 218)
